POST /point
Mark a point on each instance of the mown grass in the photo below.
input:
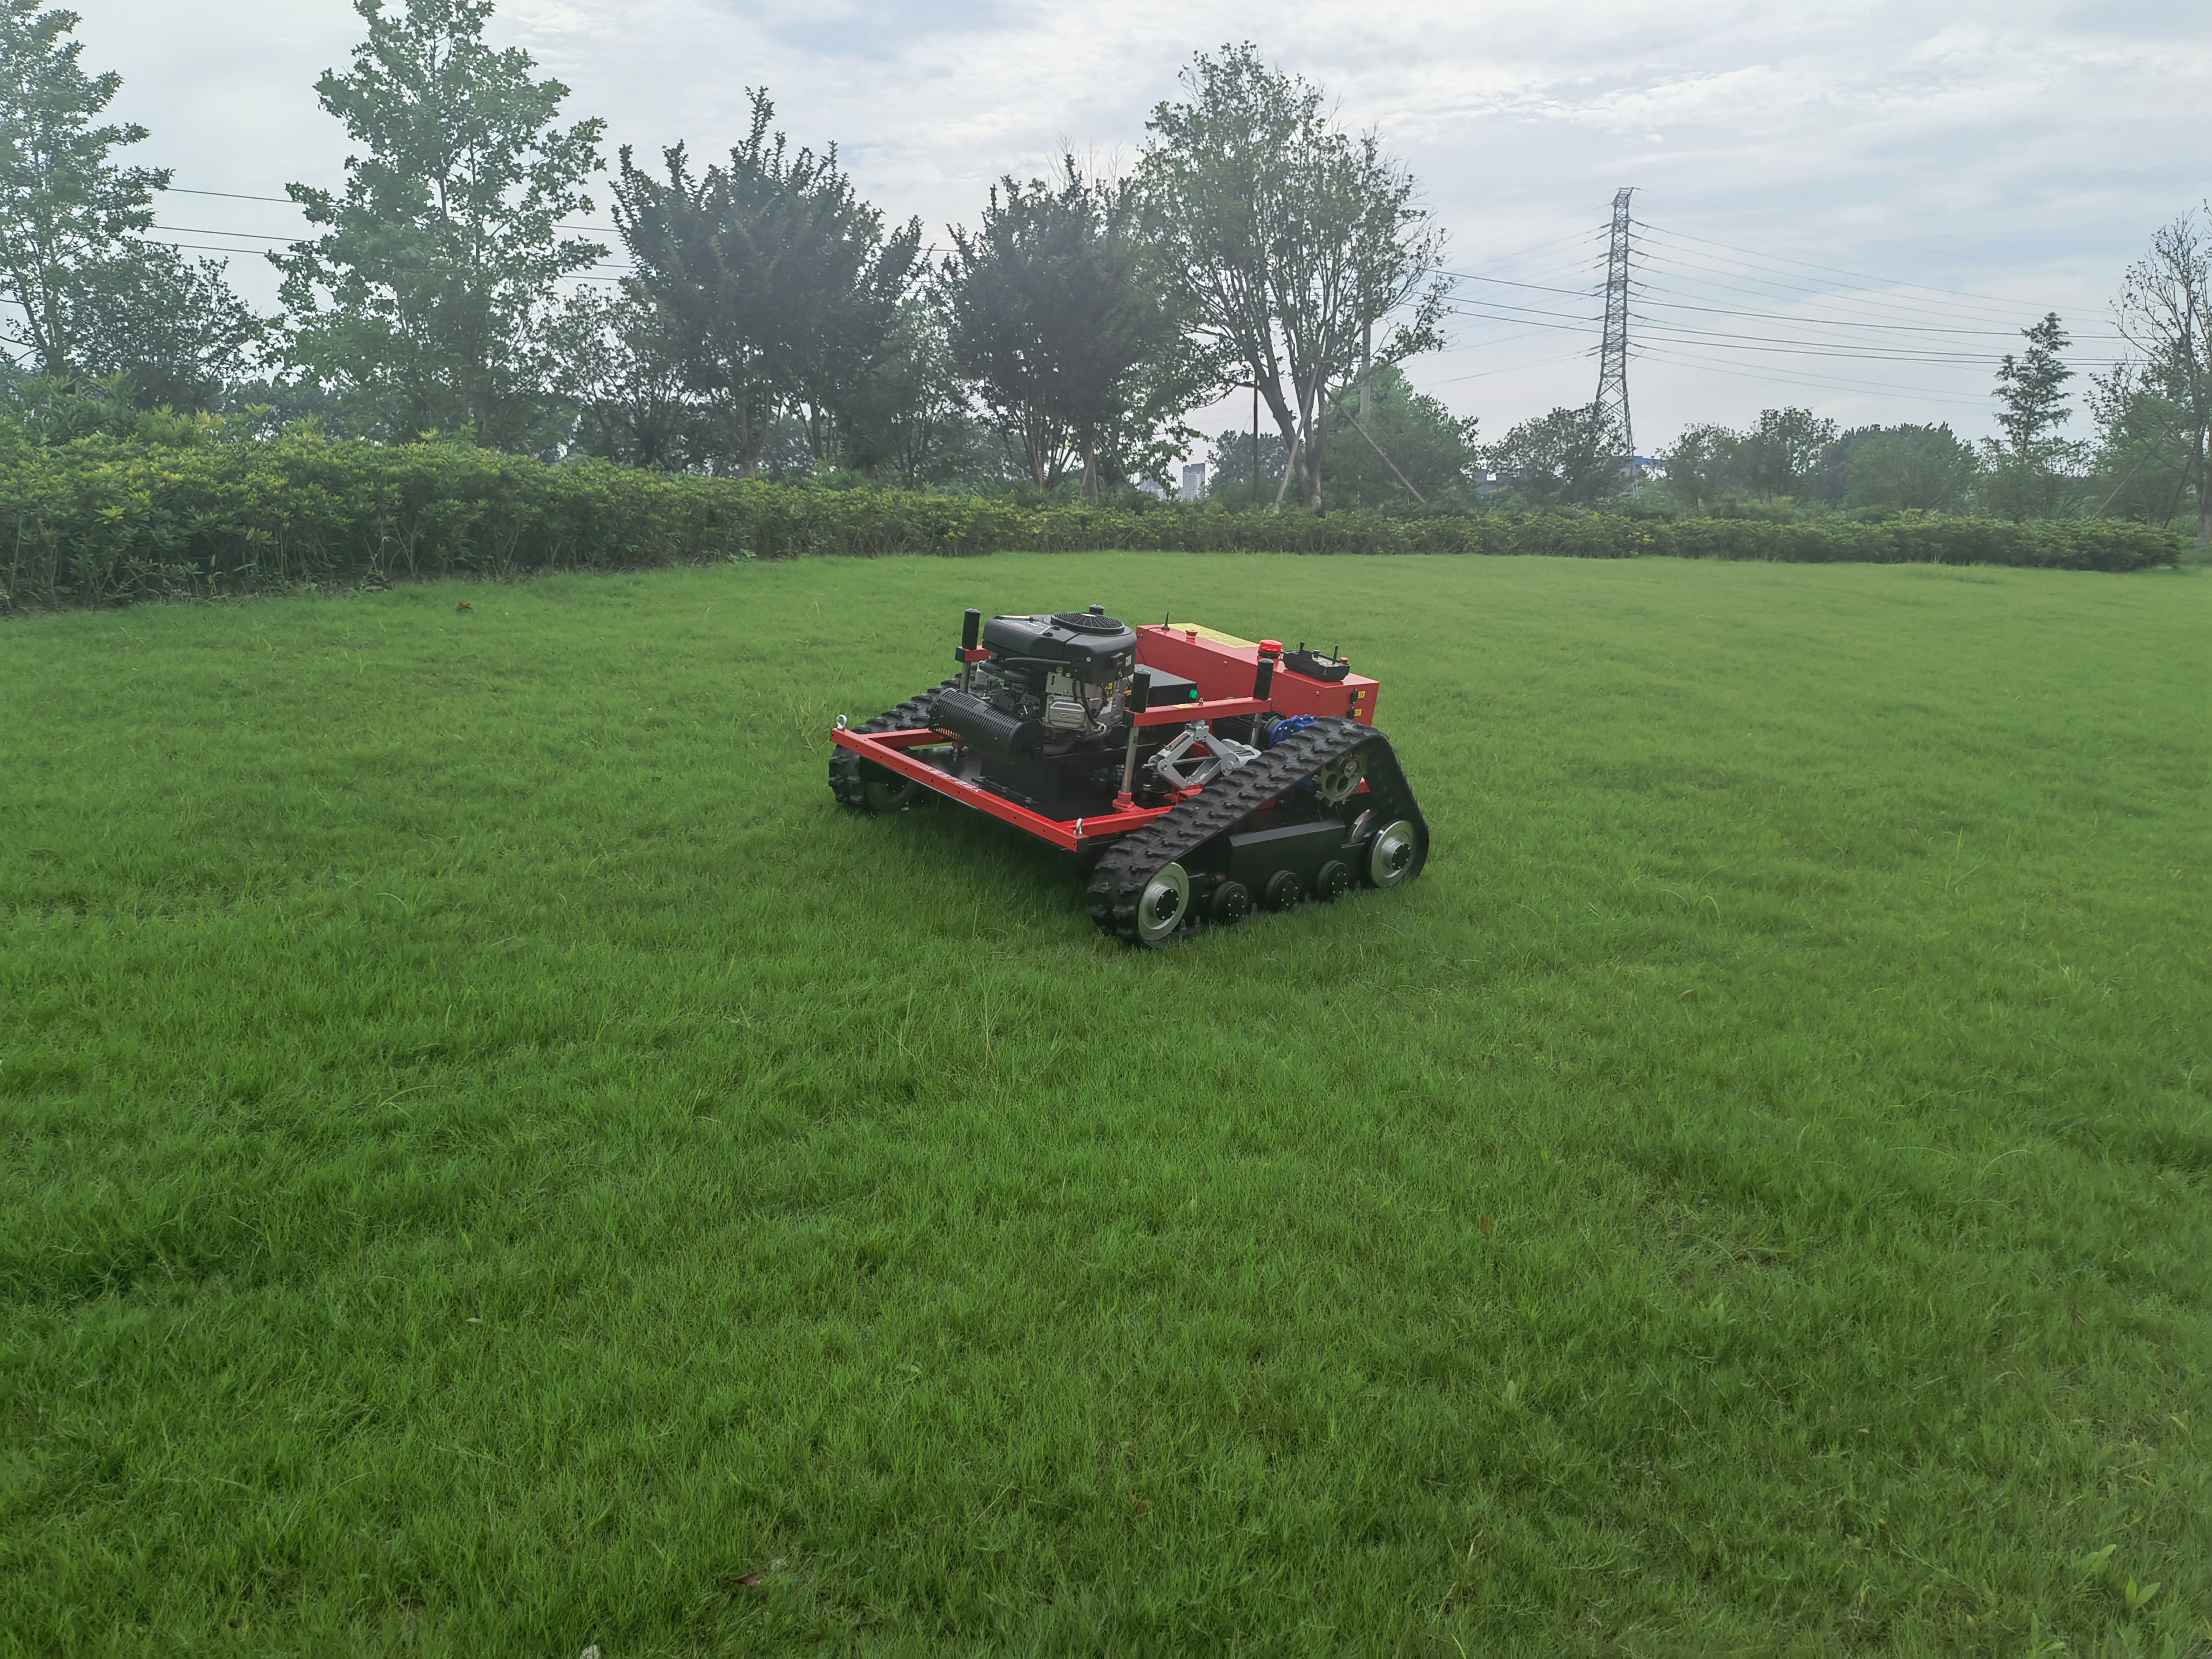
(491, 1161)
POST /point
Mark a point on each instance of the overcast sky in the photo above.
(1843, 206)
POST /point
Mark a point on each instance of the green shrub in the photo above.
(104, 519)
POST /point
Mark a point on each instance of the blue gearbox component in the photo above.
(1287, 728)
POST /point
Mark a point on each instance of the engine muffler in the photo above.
(991, 730)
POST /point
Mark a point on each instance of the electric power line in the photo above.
(1492, 344)
(1830, 263)
(1894, 291)
(1797, 377)
(1546, 288)
(210, 247)
(1512, 368)
(1478, 308)
(1850, 322)
(286, 201)
(1828, 347)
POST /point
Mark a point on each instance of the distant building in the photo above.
(1149, 487)
(1194, 481)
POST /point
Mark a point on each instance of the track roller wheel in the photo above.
(1164, 905)
(1393, 854)
(1284, 890)
(1232, 903)
(886, 792)
(1334, 880)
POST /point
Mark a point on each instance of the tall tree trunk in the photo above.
(1366, 364)
(2203, 493)
(1255, 438)
(752, 443)
(1090, 467)
(1309, 462)
(1288, 424)
(1289, 467)
(53, 354)
(1033, 433)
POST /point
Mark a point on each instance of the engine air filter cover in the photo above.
(1094, 648)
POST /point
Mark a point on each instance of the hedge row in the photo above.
(101, 520)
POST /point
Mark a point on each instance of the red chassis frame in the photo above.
(1226, 670)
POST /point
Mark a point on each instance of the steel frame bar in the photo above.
(888, 749)
(1188, 714)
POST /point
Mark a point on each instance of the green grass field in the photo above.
(492, 1160)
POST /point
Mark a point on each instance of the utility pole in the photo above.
(1613, 355)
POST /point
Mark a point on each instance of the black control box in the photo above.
(1170, 688)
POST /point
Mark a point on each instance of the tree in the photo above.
(432, 293)
(1230, 474)
(998, 287)
(1919, 469)
(2030, 472)
(1779, 456)
(2164, 312)
(974, 458)
(2143, 456)
(66, 209)
(1568, 457)
(1056, 319)
(1702, 466)
(172, 326)
(775, 281)
(1286, 241)
(1141, 434)
(2032, 391)
(622, 372)
(860, 334)
(1407, 448)
(909, 414)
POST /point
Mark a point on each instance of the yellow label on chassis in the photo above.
(1216, 636)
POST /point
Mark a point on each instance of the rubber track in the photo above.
(1218, 808)
(845, 779)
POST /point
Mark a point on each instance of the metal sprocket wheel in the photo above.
(1336, 782)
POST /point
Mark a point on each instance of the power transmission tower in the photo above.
(1613, 355)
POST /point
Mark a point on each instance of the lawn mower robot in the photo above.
(1194, 776)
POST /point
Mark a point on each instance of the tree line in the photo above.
(769, 319)
(2146, 460)
(766, 321)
